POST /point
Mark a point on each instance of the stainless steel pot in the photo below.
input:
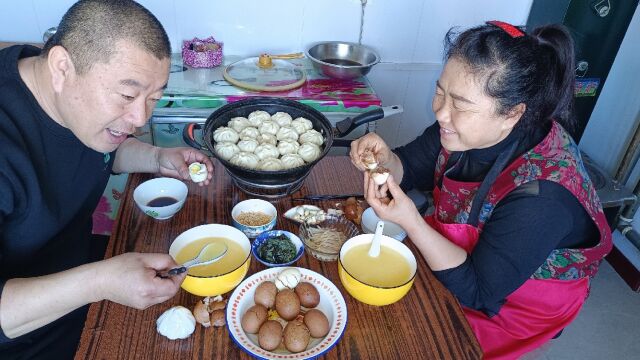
(272, 105)
(342, 60)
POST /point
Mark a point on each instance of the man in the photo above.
(66, 116)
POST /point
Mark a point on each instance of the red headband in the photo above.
(513, 31)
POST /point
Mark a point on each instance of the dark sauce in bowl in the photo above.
(342, 62)
(162, 201)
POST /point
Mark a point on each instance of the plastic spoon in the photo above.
(374, 250)
(209, 254)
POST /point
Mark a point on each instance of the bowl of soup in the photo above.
(160, 198)
(380, 280)
(223, 275)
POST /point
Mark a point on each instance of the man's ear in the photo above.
(60, 66)
(514, 116)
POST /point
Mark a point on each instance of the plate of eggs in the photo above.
(290, 313)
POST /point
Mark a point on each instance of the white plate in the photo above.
(331, 304)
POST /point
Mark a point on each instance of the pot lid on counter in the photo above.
(265, 73)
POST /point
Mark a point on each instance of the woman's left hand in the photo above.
(174, 162)
(400, 210)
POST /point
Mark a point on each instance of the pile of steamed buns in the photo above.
(268, 142)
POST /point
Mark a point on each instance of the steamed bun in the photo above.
(224, 133)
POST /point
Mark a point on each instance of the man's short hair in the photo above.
(90, 29)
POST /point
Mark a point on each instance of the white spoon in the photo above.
(209, 254)
(374, 250)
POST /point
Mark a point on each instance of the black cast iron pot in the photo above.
(243, 108)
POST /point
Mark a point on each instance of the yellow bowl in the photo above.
(371, 294)
(230, 278)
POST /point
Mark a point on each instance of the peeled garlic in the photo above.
(198, 172)
(306, 214)
(288, 278)
(176, 323)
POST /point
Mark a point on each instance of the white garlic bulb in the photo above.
(176, 323)
(288, 278)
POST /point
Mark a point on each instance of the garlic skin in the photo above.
(176, 323)
(369, 160)
(288, 278)
(201, 312)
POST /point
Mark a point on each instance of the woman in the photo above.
(518, 230)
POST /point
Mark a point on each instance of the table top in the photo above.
(427, 323)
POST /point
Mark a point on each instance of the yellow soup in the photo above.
(389, 269)
(234, 257)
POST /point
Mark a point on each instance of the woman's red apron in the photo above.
(547, 302)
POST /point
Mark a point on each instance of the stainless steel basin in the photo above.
(342, 60)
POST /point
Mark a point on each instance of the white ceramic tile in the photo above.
(439, 16)
(164, 11)
(392, 27)
(330, 20)
(417, 105)
(18, 22)
(391, 86)
(247, 27)
(49, 13)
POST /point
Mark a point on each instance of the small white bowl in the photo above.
(254, 205)
(155, 190)
(391, 229)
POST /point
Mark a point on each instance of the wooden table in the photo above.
(427, 323)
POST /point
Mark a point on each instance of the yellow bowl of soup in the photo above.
(223, 275)
(378, 281)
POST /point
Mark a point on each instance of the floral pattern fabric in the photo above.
(556, 159)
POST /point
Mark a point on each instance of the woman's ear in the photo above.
(60, 66)
(514, 115)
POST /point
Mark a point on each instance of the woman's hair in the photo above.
(536, 69)
(90, 29)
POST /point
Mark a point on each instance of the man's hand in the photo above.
(131, 279)
(174, 162)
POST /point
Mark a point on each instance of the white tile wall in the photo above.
(407, 34)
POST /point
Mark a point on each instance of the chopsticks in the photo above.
(326, 197)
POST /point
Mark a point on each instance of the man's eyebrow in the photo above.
(135, 83)
(130, 82)
(455, 96)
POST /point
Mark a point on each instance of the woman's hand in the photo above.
(376, 145)
(400, 210)
(174, 162)
(132, 279)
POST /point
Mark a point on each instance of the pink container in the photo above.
(202, 53)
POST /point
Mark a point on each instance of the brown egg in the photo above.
(265, 294)
(317, 323)
(308, 294)
(287, 304)
(296, 336)
(270, 335)
(253, 318)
